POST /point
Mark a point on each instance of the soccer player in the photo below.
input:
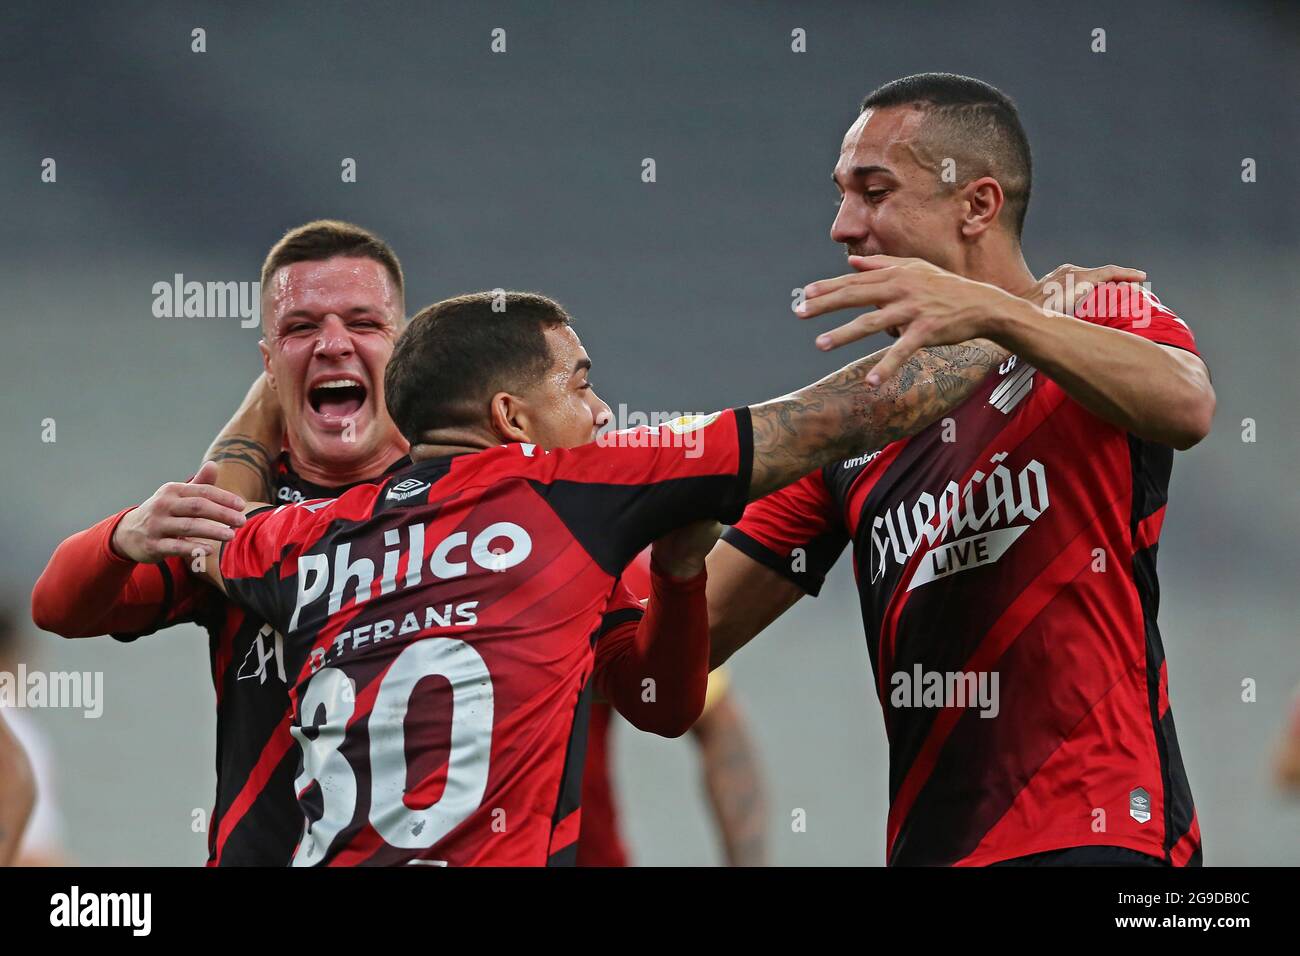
(487, 567)
(729, 767)
(332, 308)
(1005, 556)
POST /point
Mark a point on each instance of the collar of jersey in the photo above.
(311, 490)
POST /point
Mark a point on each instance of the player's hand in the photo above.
(680, 554)
(1062, 289)
(180, 517)
(927, 305)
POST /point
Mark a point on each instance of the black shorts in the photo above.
(1092, 856)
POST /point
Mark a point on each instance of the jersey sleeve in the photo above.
(88, 589)
(797, 531)
(1130, 308)
(623, 608)
(177, 597)
(251, 560)
(666, 647)
(629, 487)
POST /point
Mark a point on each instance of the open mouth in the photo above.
(338, 398)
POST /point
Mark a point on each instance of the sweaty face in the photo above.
(564, 410)
(893, 200)
(330, 328)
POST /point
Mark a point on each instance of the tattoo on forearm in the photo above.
(251, 454)
(841, 415)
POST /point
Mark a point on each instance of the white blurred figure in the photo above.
(17, 792)
(31, 827)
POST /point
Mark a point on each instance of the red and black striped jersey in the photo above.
(1005, 561)
(255, 818)
(441, 630)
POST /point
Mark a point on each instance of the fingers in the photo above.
(868, 263)
(202, 485)
(208, 501)
(869, 323)
(894, 357)
(1114, 274)
(863, 291)
(180, 548)
(182, 527)
(822, 287)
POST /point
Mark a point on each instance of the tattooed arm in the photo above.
(248, 447)
(842, 414)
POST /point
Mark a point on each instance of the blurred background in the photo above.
(523, 170)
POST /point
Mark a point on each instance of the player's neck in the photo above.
(446, 442)
(1001, 264)
(332, 475)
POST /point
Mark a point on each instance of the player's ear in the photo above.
(982, 200)
(266, 361)
(510, 417)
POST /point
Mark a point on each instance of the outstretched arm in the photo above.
(919, 386)
(844, 413)
(668, 649)
(1155, 391)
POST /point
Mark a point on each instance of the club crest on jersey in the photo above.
(498, 547)
(267, 648)
(985, 517)
(1017, 382)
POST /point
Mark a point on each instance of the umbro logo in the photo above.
(407, 489)
(1139, 805)
(850, 463)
